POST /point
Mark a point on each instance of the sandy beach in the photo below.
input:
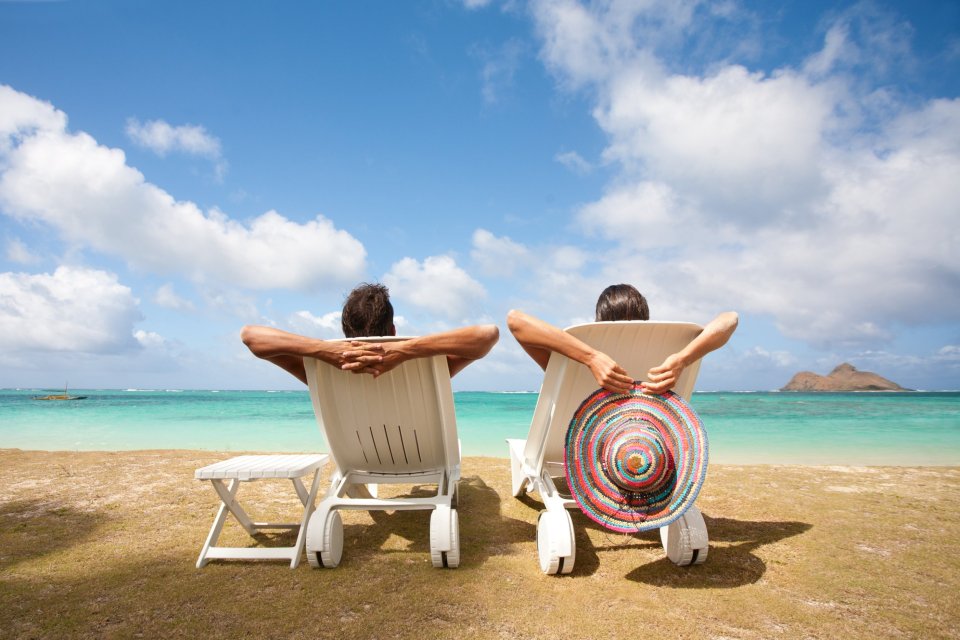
(103, 544)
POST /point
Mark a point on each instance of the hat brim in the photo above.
(599, 498)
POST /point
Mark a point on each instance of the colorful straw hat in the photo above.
(635, 462)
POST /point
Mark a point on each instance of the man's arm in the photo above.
(539, 339)
(460, 346)
(287, 350)
(663, 378)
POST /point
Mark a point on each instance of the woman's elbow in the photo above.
(726, 324)
(732, 319)
(516, 320)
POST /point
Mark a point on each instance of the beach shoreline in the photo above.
(885, 429)
(101, 544)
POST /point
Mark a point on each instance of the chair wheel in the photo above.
(685, 539)
(325, 547)
(448, 558)
(554, 534)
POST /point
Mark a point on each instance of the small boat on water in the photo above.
(60, 396)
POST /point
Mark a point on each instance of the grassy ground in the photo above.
(104, 545)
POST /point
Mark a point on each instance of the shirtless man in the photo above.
(617, 302)
(367, 312)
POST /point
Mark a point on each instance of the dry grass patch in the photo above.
(104, 545)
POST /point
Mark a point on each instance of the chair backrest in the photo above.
(637, 346)
(402, 422)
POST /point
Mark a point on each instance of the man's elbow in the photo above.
(489, 335)
(250, 336)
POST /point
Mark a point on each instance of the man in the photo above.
(617, 302)
(367, 312)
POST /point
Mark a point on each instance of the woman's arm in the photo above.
(663, 377)
(539, 339)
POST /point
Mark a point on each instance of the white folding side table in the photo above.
(248, 468)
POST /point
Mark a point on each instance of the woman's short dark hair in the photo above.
(367, 312)
(622, 302)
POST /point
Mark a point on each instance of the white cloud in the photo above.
(73, 309)
(864, 37)
(93, 199)
(437, 285)
(575, 43)
(162, 138)
(149, 339)
(646, 212)
(168, 298)
(798, 193)
(232, 302)
(574, 161)
(325, 326)
(776, 358)
(836, 47)
(549, 281)
(949, 352)
(476, 4)
(18, 252)
(745, 144)
(499, 68)
(497, 256)
(22, 115)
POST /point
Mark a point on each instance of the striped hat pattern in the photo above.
(635, 462)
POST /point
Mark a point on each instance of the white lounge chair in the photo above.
(537, 461)
(247, 469)
(399, 428)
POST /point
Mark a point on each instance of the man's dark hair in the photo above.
(622, 302)
(367, 312)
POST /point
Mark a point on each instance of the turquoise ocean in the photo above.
(915, 428)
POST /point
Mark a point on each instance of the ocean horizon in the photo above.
(909, 428)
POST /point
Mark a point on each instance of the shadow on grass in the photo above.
(33, 528)
(159, 594)
(484, 532)
(728, 565)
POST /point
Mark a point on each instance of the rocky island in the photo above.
(843, 378)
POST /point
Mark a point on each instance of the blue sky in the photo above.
(172, 171)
